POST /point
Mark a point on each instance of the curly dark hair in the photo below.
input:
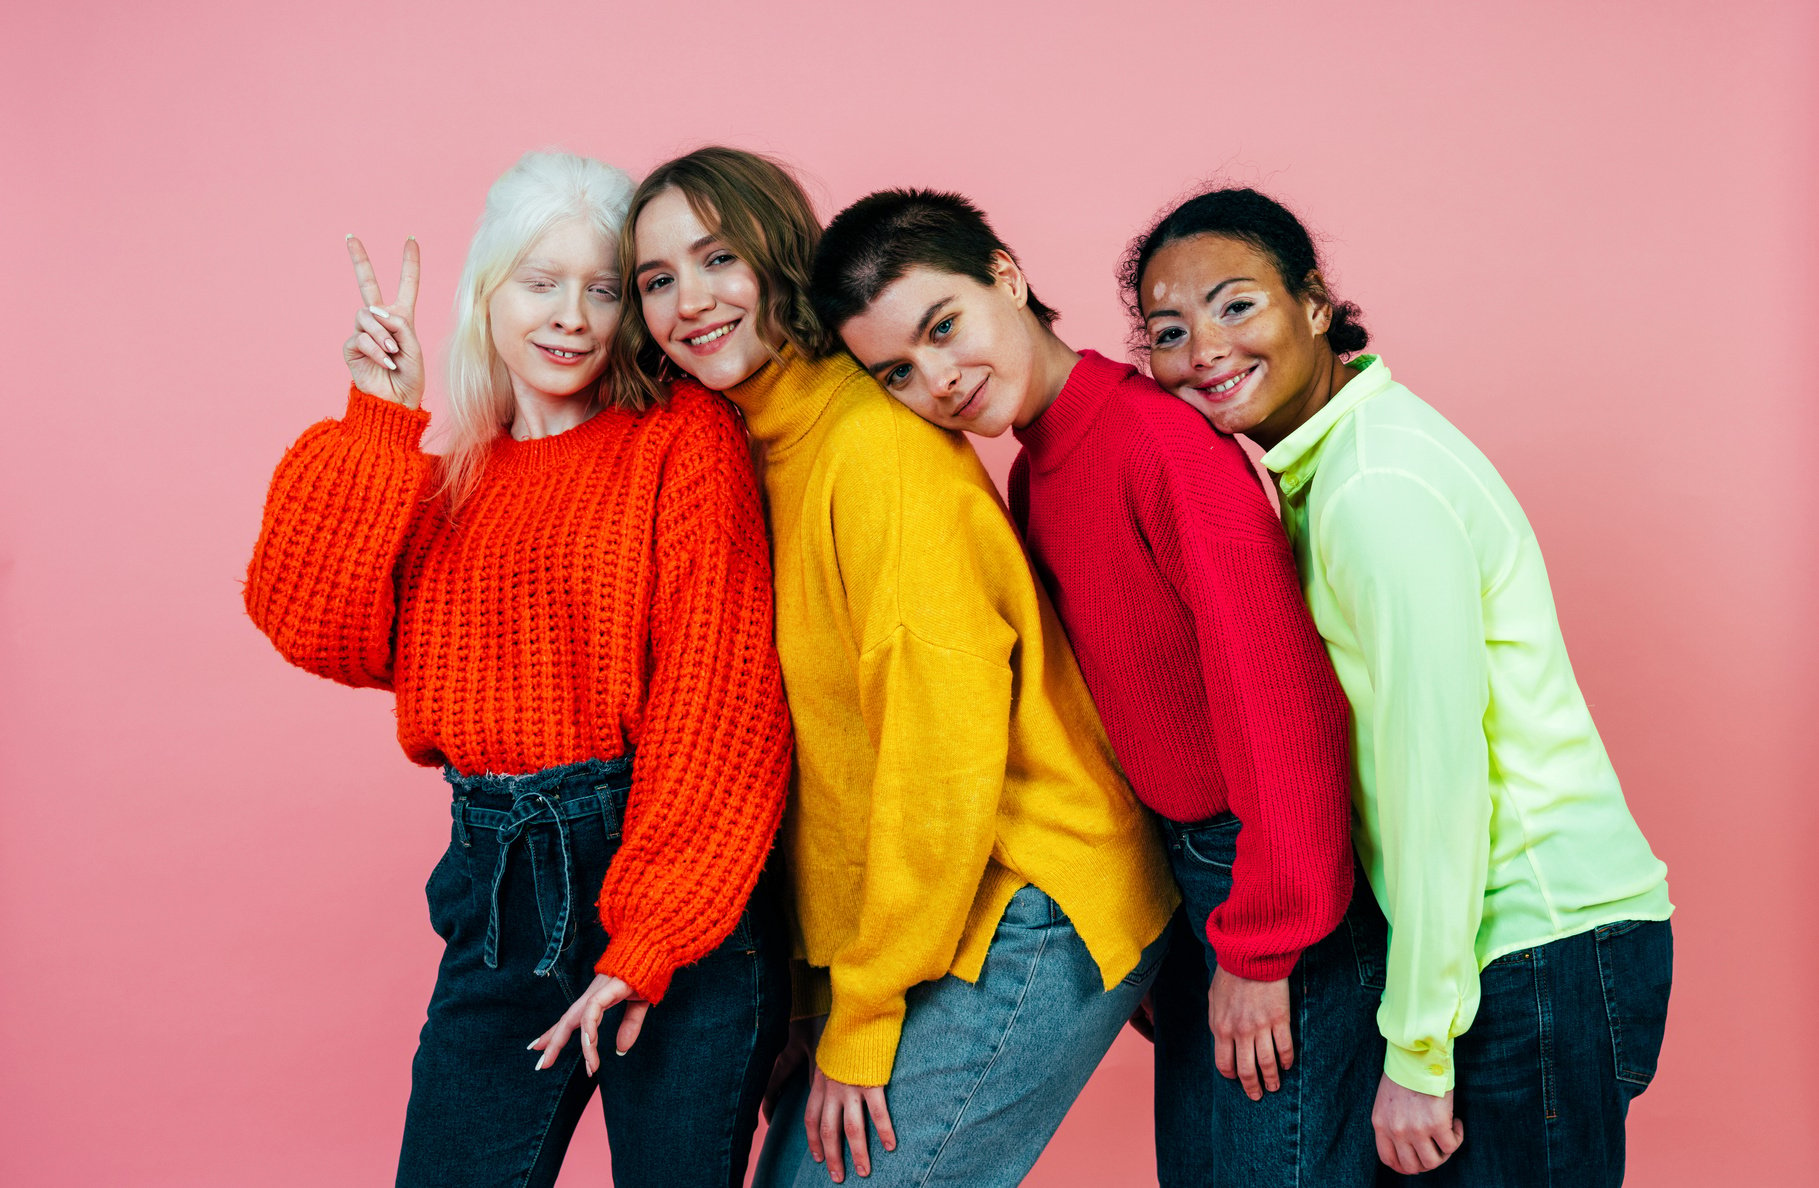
(872, 243)
(1259, 220)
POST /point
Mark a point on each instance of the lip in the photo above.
(960, 412)
(1206, 389)
(575, 359)
(708, 348)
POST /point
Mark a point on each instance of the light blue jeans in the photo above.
(985, 1071)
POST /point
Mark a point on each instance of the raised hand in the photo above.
(384, 356)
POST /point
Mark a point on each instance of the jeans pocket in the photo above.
(1214, 845)
(1636, 965)
(447, 890)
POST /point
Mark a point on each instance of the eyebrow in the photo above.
(692, 248)
(540, 265)
(1175, 313)
(928, 317)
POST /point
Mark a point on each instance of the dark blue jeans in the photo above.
(514, 900)
(1565, 1037)
(1315, 1129)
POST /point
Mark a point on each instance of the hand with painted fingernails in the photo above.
(602, 995)
(837, 1110)
(383, 355)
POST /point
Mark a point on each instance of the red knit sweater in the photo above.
(603, 589)
(1178, 589)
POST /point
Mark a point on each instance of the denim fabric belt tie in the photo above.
(538, 799)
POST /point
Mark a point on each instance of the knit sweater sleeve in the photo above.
(1278, 713)
(340, 506)
(918, 548)
(714, 751)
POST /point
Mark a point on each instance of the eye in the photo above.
(1240, 306)
(1167, 336)
(653, 283)
(943, 328)
(897, 375)
(720, 257)
(539, 285)
(605, 292)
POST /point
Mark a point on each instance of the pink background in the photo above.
(1585, 232)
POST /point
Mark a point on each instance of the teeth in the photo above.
(711, 335)
(1229, 384)
(562, 354)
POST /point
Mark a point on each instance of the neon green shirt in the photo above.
(1489, 818)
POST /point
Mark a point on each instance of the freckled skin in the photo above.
(1216, 309)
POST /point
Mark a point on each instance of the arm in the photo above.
(714, 757)
(1278, 715)
(341, 503)
(919, 569)
(1406, 576)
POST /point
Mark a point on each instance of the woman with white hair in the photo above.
(574, 580)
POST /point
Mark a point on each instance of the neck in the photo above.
(536, 415)
(1053, 362)
(1329, 376)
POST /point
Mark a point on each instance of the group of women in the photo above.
(1312, 799)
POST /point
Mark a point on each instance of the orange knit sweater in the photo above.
(603, 589)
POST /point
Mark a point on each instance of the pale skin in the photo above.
(963, 354)
(1216, 311)
(552, 319)
(690, 285)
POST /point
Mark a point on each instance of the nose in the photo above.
(950, 378)
(1207, 347)
(568, 315)
(692, 296)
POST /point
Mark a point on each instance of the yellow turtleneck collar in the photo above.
(783, 399)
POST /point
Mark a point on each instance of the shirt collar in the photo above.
(1295, 458)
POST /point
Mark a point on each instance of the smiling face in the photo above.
(1227, 336)
(958, 353)
(553, 317)
(701, 302)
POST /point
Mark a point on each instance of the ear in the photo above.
(1006, 273)
(1317, 303)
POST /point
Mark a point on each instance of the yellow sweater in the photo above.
(947, 751)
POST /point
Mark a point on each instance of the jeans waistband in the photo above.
(1174, 829)
(508, 805)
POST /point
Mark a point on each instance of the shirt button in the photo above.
(1438, 1070)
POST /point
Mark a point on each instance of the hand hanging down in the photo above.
(602, 995)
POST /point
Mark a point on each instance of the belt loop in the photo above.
(461, 822)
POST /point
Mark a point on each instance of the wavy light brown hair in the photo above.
(757, 208)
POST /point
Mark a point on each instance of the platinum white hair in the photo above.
(540, 191)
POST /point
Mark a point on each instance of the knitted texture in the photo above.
(948, 752)
(604, 589)
(1179, 591)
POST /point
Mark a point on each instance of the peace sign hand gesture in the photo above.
(384, 356)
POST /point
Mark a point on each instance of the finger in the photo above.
(590, 1049)
(552, 1043)
(830, 1139)
(1406, 1162)
(363, 273)
(853, 1116)
(811, 1117)
(407, 278)
(1266, 1061)
(364, 344)
(881, 1118)
(631, 1025)
(368, 322)
(1223, 1059)
(1386, 1150)
(1428, 1153)
(1449, 1140)
(1285, 1044)
(1247, 1068)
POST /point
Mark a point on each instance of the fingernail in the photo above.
(376, 311)
(391, 365)
(531, 1047)
(350, 234)
(620, 1051)
(390, 345)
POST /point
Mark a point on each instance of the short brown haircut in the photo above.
(758, 209)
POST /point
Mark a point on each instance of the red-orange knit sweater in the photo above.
(605, 589)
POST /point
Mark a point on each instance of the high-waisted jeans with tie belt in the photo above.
(513, 899)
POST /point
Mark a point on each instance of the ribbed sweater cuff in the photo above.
(384, 423)
(860, 1051)
(1272, 968)
(645, 967)
(1416, 1070)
